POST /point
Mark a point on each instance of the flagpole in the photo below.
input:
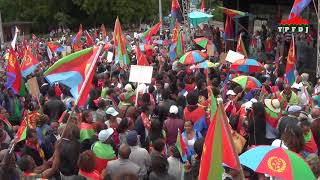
(318, 45)
(160, 15)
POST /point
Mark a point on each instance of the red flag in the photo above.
(228, 28)
(240, 47)
(104, 32)
(141, 58)
(202, 6)
(268, 45)
(89, 39)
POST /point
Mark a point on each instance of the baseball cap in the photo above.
(105, 134)
(132, 138)
(112, 111)
(173, 109)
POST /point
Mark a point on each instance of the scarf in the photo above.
(35, 147)
(146, 121)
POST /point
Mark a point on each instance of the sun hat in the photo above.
(273, 105)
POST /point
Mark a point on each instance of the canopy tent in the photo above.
(197, 17)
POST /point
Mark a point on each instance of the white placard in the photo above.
(109, 56)
(140, 74)
(233, 56)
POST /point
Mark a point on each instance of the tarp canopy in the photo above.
(198, 17)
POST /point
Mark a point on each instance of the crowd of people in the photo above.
(111, 138)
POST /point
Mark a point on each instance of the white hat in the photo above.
(173, 109)
(105, 134)
(296, 85)
(279, 143)
(294, 109)
(273, 105)
(231, 92)
(128, 87)
(112, 111)
(141, 88)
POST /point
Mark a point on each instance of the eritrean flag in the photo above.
(104, 153)
(86, 131)
(182, 147)
(120, 44)
(175, 12)
(76, 41)
(6, 122)
(291, 63)
(29, 63)
(22, 131)
(177, 46)
(147, 36)
(217, 148)
(272, 117)
(72, 70)
(198, 117)
(310, 144)
(298, 7)
(213, 108)
(14, 76)
(241, 47)
(54, 46)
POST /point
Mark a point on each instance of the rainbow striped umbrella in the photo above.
(247, 82)
(277, 162)
(202, 41)
(193, 57)
(247, 66)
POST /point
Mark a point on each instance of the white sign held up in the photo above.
(140, 74)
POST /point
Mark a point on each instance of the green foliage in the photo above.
(53, 13)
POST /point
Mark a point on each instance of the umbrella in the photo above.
(206, 65)
(247, 82)
(193, 57)
(277, 162)
(197, 17)
(247, 65)
(203, 42)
